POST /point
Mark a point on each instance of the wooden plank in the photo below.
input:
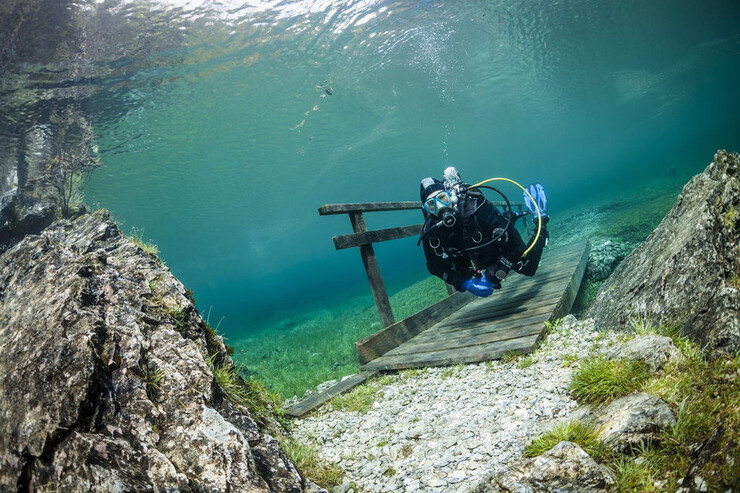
(484, 325)
(548, 295)
(569, 296)
(372, 269)
(480, 337)
(329, 209)
(315, 400)
(454, 325)
(352, 240)
(392, 336)
(470, 354)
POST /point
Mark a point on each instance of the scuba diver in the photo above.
(472, 245)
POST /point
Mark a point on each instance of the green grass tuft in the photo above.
(307, 461)
(573, 431)
(359, 400)
(150, 248)
(153, 381)
(263, 405)
(599, 380)
(730, 219)
(525, 362)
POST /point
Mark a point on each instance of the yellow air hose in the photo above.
(539, 213)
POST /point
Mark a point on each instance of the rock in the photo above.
(633, 420)
(105, 380)
(685, 273)
(20, 215)
(604, 258)
(565, 467)
(654, 351)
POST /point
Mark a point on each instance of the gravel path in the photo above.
(444, 429)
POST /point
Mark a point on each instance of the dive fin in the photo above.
(538, 193)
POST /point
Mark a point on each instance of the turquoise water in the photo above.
(223, 135)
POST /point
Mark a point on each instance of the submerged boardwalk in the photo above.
(466, 329)
(511, 320)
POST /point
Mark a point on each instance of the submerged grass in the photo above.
(295, 359)
(137, 239)
(264, 406)
(599, 379)
(704, 441)
(572, 431)
(306, 459)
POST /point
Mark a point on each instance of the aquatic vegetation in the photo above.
(525, 362)
(735, 281)
(322, 347)
(730, 218)
(572, 431)
(306, 459)
(137, 239)
(702, 392)
(551, 325)
(634, 221)
(263, 405)
(153, 381)
(703, 396)
(586, 294)
(599, 380)
(642, 326)
(451, 371)
(359, 400)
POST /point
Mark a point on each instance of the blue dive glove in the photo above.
(538, 194)
(479, 286)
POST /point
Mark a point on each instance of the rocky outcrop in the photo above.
(688, 270)
(655, 351)
(634, 420)
(565, 467)
(106, 376)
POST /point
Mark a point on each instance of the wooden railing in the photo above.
(364, 239)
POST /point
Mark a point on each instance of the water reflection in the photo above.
(325, 100)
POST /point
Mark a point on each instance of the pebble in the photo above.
(442, 432)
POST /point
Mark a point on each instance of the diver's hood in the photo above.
(428, 186)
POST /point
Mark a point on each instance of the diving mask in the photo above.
(437, 202)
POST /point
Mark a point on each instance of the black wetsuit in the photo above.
(457, 253)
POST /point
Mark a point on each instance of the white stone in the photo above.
(461, 427)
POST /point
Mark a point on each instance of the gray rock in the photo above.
(654, 351)
(104, 380)
(685, 272)
(565, 467)
(604, 258)
(20, 216)
(634, 420)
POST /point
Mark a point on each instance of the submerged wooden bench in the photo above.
(460, 328)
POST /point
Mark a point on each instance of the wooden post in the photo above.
(373, 272)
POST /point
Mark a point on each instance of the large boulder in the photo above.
(106, 380)
(565, 467)
(687, 272)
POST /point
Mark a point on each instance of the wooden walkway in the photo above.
(511, 320)
(465, 329)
